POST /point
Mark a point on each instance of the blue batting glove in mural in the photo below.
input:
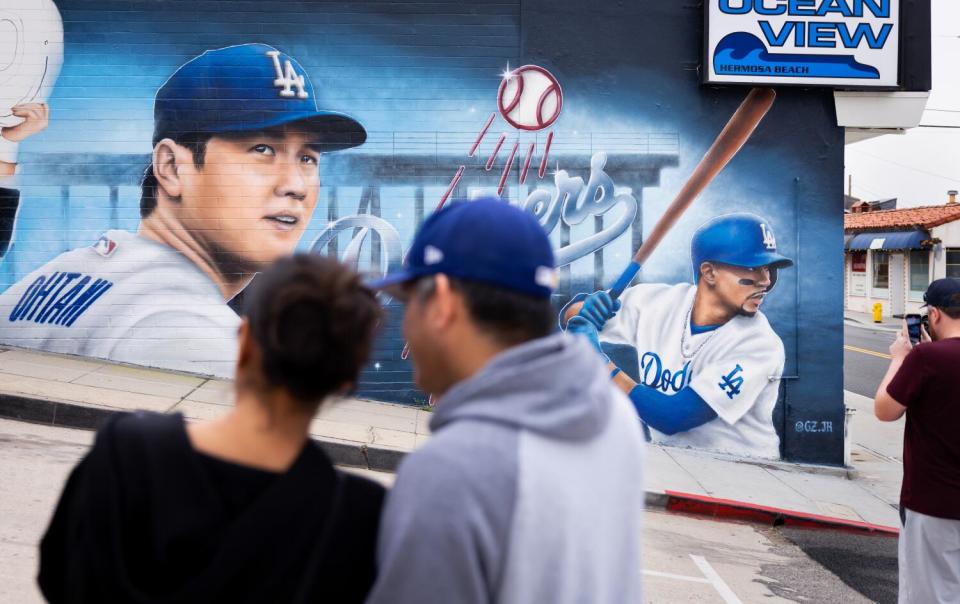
(598, 308)
(581, 326)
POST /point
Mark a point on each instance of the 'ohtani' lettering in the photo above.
(59, 299)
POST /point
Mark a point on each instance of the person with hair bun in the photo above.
(244, 508)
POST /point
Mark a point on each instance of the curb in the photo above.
(84, 417)
(877, 326)
(702, 505)
(72, 415)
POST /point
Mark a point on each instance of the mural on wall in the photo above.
(180, 153)
(233, 181)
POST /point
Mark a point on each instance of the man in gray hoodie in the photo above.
(530, 490)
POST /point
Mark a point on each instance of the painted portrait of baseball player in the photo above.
(708, 360)
(232, 183)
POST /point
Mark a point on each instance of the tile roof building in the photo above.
(926, 217)
(892, 255)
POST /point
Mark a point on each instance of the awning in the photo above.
(888, 240)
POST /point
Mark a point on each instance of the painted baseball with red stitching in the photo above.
(530, 98)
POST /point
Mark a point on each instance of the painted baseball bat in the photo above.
(737, 131)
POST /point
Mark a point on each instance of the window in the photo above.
(857, 285)
(881, 269)
(858, 262)
(953, 263)
(919, 273)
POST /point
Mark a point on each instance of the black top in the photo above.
(146, 518)
(237, 485)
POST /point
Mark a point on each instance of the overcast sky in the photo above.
(920, 166)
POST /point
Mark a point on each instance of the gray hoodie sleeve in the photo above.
(443, 535)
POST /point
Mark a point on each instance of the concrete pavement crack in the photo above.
(187, 395)
(703, 489)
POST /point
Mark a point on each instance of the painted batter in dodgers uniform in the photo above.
(709, 362)
(232, 184)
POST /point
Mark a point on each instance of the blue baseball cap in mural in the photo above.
(486, 240)
(943, 293)
(244, 88)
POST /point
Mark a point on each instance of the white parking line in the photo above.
(654, 573)
(713, 578)
(710, 577)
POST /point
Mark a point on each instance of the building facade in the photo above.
(891, 256)
(592, 116)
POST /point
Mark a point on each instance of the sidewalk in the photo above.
(862, 319)
(82, 393)
(862, 497)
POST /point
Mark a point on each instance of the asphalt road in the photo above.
(865, 358)
(686, 558)
(864, 562)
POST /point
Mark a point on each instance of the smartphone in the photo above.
(913, 327)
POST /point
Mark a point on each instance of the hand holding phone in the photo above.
(925, 334)
(913, 328)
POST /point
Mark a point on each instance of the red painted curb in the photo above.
(741, 510)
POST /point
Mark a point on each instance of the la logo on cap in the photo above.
(769, 241)
(432, 255)
(287, 78)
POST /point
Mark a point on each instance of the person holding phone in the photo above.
(921, 384)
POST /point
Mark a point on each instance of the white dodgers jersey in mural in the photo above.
(125, 298)
(730, 367)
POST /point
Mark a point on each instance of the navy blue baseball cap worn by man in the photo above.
(943, 293)
(486, 240)
(528, 433)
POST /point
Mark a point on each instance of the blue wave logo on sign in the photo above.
(742, 53)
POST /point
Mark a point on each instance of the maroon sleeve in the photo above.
(907, 385)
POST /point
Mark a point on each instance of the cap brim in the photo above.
(765, 259)
(337, 130)
(391, 284)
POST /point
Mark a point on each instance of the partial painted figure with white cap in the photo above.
(232, 183)
(31, 53)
